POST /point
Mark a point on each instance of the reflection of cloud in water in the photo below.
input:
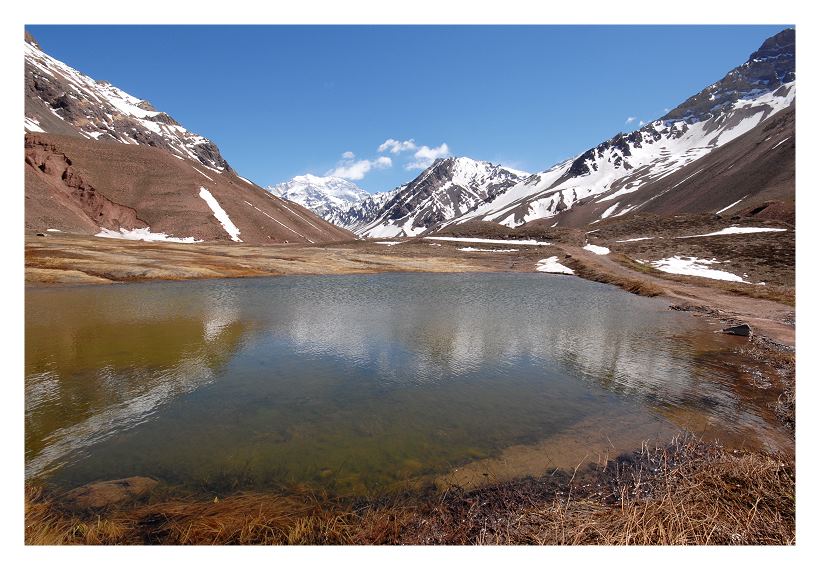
(221, 311)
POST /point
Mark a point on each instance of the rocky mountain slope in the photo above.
(99, 161)
(77, 185)
(754, 171)
(614, 174)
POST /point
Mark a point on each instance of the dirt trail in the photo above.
(768, 318)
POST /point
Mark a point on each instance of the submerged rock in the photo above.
(105, 493)
(739, 330)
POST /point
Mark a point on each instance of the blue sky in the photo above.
(286, 100)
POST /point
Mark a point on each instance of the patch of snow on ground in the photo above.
(608, 211)
(780, 143)
(220, 214)
(632, 239)
(33, 125)
(487, 240)
(53, 230)
(736, 230)
(551, 265)
(264, 213)
(695, 267)
(596, 249)
(732, 205)
(142, 234)
(388, 242)
(202, 173)
(488, 250)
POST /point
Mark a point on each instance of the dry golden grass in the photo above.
(636, 286)
(686, 493)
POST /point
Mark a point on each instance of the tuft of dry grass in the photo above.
(688, 492)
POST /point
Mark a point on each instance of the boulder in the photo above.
(739, 330)
(106, 493)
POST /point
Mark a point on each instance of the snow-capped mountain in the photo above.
(361, 214)
(449, 188)
(613, 171)
(160, 183)
(61, 100)
(325, 195)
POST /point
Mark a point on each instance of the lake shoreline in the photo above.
(686, 492)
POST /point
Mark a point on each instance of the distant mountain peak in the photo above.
(448, 188)
(324, 195)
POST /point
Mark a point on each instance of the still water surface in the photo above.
(361, 383)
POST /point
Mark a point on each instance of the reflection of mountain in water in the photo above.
(467, 325)
(448, 332)
(373, 377)
(109, 370)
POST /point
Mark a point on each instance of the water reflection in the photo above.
(98, 364)
(357, 381)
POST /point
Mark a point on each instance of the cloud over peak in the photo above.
(356, 169)
(395, 147)
(425, 156)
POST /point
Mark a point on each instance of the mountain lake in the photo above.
(368, 383)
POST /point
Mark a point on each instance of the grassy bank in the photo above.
(636, 286)
(688, 492)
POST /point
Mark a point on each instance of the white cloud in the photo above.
(356, 170)
(348, 155)
(641, 123)
(425, 156)
(631, 120)
(667, 109)
(395, 147)
(383, 162)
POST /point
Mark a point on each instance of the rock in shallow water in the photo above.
(105, 493)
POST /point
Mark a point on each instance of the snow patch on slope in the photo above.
(141, 234)
(487, 240)
(551, 265)
(736, 230)
(694, 267)
(220, 214)
(596, 249)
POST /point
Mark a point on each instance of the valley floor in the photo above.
(687, 493)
